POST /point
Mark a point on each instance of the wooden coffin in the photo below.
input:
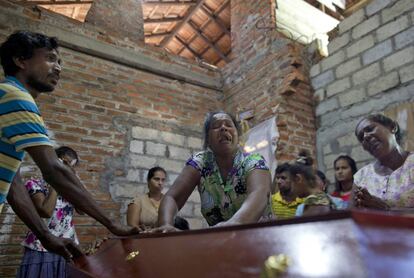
(343, 244)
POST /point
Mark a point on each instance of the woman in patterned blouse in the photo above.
(388, 182)
(234, 186)
(37, 261)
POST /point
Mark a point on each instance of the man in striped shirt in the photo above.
(32, 65)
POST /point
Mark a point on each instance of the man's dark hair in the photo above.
(64, 150)
(22, 44)
(282, 168)
(209, 119)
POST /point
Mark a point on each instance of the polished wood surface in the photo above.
(344, 244)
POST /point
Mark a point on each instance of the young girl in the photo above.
(345, 168)
(37, 261)
(305, 185)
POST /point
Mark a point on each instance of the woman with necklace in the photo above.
(345, 168)
(143, 210)
(388, 182)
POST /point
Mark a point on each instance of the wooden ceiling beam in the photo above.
(219, 58)
(216, 19)
(207, 41)
(186, 18)
(169, 3)
(77, 2)
(214, 42)
(188, 47)
(217, 12)
(153, 35)
(163, 20)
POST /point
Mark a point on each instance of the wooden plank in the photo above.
(217, 12)
(188, 47)
(163, 20)
(77, 2)
(216, 19)
(157, 35)
(169, 3)
(356, 6)
(207, 41)
(186, 18)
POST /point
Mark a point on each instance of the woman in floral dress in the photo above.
(234, 186)
(37, 261)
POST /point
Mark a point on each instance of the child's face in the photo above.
(299, 186)
(69, 161)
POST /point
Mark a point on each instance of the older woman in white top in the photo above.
(388, 182)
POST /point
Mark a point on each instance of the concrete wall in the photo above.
(370, 69)
(123, 107)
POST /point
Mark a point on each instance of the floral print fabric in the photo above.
(220, 200)
(396, 188)
(60, 223)
(321, 199)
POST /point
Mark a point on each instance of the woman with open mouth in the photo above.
(234, 186)
(388, 182)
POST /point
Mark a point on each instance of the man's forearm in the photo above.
(68, 185)
(22, 205)
(167, 211)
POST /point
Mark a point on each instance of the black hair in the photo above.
(152, 171)
(385, 121)
(181, 224)
(22, 44)
(322, 176)
(303, 166)
(64, 150)
(282, 168)
(209, 119)
(351, 162)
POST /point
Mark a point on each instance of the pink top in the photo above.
(60, 224)
(396, 188)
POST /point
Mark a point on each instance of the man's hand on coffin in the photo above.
(167, 228)
(95, 246)
(122, 230)
(64, 247)
(364, 199)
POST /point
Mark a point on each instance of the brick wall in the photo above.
(269, 73)
(370, 69)
(109, 90)
(121, 18)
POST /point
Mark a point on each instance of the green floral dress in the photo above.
(220, 200)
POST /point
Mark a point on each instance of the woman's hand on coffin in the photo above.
(122, 230)
(167, 228)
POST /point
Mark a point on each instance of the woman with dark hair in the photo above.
(143, 210)
(345, 168)
(37, 261)
(388, 182)
(234, 186)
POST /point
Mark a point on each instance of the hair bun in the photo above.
(304, 158)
